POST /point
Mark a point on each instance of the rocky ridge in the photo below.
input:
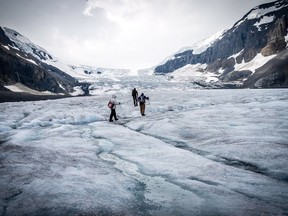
(263, 31)
(25, 63)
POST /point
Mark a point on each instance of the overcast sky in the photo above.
(120, 33)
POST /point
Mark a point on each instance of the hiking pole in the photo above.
(148, 108)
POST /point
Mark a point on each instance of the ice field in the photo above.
(196, 152)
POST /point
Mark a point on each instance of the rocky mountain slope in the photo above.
(253, 53)
(21, 61)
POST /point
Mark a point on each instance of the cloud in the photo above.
(115, 10)
(120, 33)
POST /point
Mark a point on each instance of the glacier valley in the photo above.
(196, 152)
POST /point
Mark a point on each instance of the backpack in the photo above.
(141, 99)
(110, 105)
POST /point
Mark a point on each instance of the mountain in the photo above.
(21, 61)
(252, 53)
(24, 64)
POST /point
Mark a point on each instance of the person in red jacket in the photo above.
(112, 105)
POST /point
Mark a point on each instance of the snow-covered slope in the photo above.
(26, 46)
(202, 45)
(261, 12)
(17, 48)
(80, 72)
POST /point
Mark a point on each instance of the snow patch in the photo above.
(202, 45)
(6, 47)
(77, 91)
(19, 87)
(258, 61)
(29, 60)
(264, 20)
(259, 12)
(195, 72)
(23, 43)
(198, 48)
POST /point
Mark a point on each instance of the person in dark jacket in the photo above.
(114, 102)
(135, 96)
(142, 100)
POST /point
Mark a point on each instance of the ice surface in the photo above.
(196, 152)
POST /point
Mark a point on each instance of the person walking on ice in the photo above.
(112, 105)
(135, 96)
(142, 100)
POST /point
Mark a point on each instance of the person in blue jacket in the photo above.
(142, 100)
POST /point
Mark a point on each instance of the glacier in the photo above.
(196, 152)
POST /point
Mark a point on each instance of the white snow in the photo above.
(23, 43)
(29, 60)
(264, 20)
(198, 48)
(77, 91)
(196, 152)
(193, 72)
(6, 47)
(81, 76)
(202, 45)
(19, 87)
(88, 73)
(260, 12)
(258, 61)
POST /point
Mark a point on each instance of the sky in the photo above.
(128, 34)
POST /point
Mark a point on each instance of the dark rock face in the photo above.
(274, 74)
(236, 75)
(276, 41)
(4, 39)
(247, 38)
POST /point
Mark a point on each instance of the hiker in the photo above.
(135, 96)
(142, 100)
(112, 105)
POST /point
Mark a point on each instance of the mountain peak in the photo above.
(260, 11)
(25, 45)
(261, 33)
